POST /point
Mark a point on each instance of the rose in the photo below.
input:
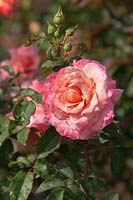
(23, 59)
(79, 100)
(7, 6)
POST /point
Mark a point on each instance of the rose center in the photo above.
(73, 95)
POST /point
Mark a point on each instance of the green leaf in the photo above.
(60, 195)
(40, 168)
(4, 122)
(95, 182)
(76, 192)
(6, 153)
(49, 63)
(22, 136)
(117, 161)
(14, 127)
(56, 195)
(89, 189)
(66, 171)
(49, 143)
(9, 70)
(23, 111)
(21, 186)
(111, 196)
(49, 185)
(23, 161)
(37, 97)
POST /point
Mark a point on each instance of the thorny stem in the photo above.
(87, 161)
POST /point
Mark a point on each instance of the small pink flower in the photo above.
(7, 7)
(25, 60)
(79, 100)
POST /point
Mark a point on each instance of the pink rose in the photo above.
(7, 7)
(25, 60)
(79, 100)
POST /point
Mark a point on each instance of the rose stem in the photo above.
(87, 161)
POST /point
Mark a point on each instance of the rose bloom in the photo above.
(23, 59)
(7, 7)
(79, 100)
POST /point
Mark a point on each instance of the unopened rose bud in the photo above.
(71, 31)
(68, 46)
(57, 33)
(51, 29)
(59, 17)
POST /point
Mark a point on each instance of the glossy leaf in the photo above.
(49, 185)
(22, 135)
(66, 171)
(49, 143)
(21, 186)
(37, 97)
(23, 110)
(4, 121)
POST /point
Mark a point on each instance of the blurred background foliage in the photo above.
(105, 33)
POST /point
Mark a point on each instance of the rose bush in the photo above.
(79, 100)
(7, 7)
